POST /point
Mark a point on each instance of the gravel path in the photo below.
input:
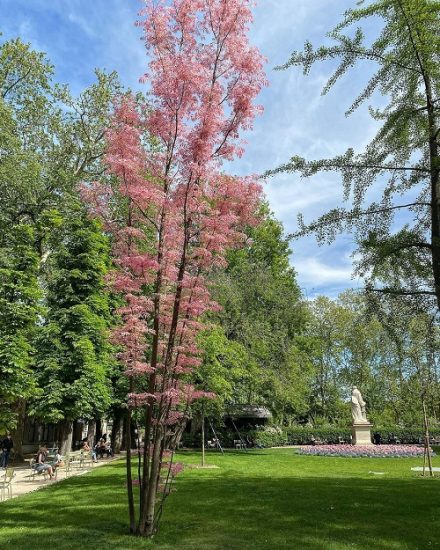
(23, 482)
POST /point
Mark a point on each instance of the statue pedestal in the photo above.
(361, 434)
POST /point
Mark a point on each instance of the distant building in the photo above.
(248, 415)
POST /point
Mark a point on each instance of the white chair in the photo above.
(6, 483)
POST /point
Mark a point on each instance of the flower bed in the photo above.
(370, 451)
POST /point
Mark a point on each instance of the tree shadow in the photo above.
(305, 513)
(240, 512)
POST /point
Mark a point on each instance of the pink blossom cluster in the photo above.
(370, 451)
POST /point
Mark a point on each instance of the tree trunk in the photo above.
(203, 440)
(91, 433)
(117, 434)
(427, 453)
(178, 436)
(434, 166)
(146, 522)
(98, 433)
(132, 519)
(435, 208)
(18, 432)
(65, 436)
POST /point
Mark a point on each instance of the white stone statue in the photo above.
(358, 407)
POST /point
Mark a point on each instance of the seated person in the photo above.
(102, 447)
(40, 462)
(85, 448)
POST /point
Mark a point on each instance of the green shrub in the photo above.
(270, 436)
(404, 435)
(300, 435)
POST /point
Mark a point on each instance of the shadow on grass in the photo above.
(245, 512)
(315, 513)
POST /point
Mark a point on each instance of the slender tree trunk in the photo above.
(131, 514)
(175, 441)
(427, 453)
(98, 433)
(116, 439)
(18, 432)
(124, 435)
(144, 483)
(435, 195)
(203, 439)
(146, 523)
(146, 520)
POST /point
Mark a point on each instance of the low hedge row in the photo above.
(304, 436)
(272, 436)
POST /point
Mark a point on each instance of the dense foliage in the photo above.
(255, 336)
(74, 357)
(49, 142)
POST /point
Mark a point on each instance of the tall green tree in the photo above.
(262, 310)
(49, 142)
(410, 360)
(403, 158)
(19, 288)
(74, 357)
(328, 319)
(19, 310)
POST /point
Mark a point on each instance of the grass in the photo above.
(271, 499)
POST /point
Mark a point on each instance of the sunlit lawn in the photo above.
(258, 500)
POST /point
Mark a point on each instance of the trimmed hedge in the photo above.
(406, 435)
(272, 436)
(331, 436)
(304, 435)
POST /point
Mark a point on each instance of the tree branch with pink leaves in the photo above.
(173, 213)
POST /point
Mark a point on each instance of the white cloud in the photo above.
(83, 24)
(315, 273)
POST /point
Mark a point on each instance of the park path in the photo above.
(23, 482)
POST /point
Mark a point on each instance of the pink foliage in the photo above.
(170, 209)
(181, 211)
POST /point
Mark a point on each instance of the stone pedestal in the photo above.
(361, 434)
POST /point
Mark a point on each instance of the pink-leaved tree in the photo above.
(173, 213)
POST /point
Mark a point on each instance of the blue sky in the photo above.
(79, 35)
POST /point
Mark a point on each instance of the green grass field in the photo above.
(269, 499)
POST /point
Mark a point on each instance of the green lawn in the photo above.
(258, 500)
